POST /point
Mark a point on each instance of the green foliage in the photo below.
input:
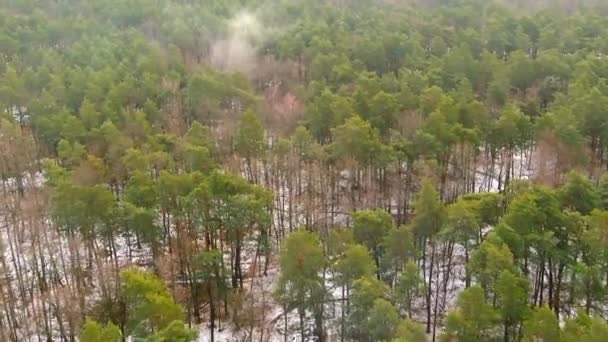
(149, 305)
(579, 194)
(370, 229)
(535, 215)
(383, 321)
(356, 140)
(354, 264)
(490, 208)
(94, 332)
(209, 271)
(398, 248)
(461, 223)
(541, 326)
(584, 328)
(410, 284)
(429, 211)
(473, 319)
(338, 241)
(300, 284)
(410, 331)
(369, 298)
(512, 300)
(603, 191)
(87, 209)
(523, 71)
(176, 331)
(134, 114)
(489, 261)
(249, 139)
(326, 112)
(512, 129)
(70, 154)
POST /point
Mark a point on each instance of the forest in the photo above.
(319, 170)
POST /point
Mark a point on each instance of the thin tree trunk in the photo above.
(430, 289)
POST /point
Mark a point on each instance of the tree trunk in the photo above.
(430, 289)
(211, 312)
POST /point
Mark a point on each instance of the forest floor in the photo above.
(261, 317)
(271, 322)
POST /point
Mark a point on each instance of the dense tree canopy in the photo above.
(328, 169)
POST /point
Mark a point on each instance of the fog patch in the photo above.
(237, 51)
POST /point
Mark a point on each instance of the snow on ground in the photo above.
(259, 304)
(269, 319)
(488, 179)
(449, 284)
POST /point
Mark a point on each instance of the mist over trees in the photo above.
(321, 170)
